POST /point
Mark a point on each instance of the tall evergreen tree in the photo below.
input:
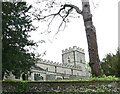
(16, 24)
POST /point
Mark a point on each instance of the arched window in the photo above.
(35, 76)
(38, 77)
(72, 71)
(55, 69)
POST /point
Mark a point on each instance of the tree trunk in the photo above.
(94, 61)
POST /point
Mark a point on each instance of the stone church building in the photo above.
(73, 66)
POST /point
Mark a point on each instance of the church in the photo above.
(73, 66)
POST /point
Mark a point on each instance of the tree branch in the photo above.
(63, 7)
(74, 7)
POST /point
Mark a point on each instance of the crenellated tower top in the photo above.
(74, 48)
(74, 56)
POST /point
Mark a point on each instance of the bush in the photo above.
(21, 87)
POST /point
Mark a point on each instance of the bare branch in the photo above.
(63, 8)
(60, 27)
(63, 20)
(58, 13)
(75, 7)
(50, 22)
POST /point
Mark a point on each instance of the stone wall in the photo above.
(60, 87)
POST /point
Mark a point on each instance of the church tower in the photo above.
(74, 56)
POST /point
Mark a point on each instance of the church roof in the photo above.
(38, 68)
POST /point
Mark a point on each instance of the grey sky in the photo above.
(105, 19)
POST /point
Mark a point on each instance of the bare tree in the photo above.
(94, 61)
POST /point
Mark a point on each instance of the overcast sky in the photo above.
(105, 20)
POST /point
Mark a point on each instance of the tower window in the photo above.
(86, 5)
(68, 60)
(80, 60)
